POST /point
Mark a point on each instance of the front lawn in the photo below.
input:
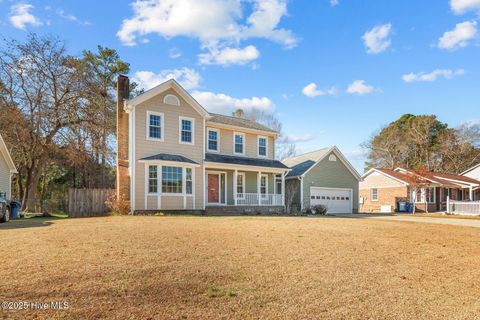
(240, 267)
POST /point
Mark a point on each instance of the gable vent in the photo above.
(171, 99)
(332, 158)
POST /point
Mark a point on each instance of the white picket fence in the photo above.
(466, 208)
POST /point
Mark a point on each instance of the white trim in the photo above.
(371, 195)
(170, 163)
(339, 189)
(162, 126)
(177, 103)
(263, 175)
(258, 147)
(192, 120)
(244, 176)
(208, 140)
(145, 205)
(470, 170)
(170, 84)
(243, 143)
(184, 187)
(133, 162)
(302, 200)
(6, 156)
(159, 197)
(366, 174)
(227, 166)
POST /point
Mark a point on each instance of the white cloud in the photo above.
(297, 138)
(61, 13)
(312, 91)
(174, 53)
(217, 24)
(334, 3)
(432, 76)
(21, 16)
(459, 36)
(222, 103)
(228, 56)
(188, 78)
(360, 87)
(377, 40)
(462, 6)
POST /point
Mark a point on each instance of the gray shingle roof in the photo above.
(169, 157)
(300, 164)
(238, 122)
(300, 168)
(220, 158)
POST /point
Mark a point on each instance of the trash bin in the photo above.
(410, 207)
(401, 206)
(14, 208)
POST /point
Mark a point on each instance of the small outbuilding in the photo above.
(323, 177)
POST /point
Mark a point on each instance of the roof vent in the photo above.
(332, 158)
(171, 99)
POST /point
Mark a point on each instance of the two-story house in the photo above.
(175, 155)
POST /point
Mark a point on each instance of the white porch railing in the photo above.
(252, 199)
(463, 207)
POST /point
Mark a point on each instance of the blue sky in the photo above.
(334, 72)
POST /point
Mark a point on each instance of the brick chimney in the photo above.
(123, 175)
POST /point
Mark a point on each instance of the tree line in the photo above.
(424, 142)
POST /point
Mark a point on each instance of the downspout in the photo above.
(301, 193)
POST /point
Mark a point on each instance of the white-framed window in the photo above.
(430, 195)
(239, 143)
(172, 179)
(419, 195)
(186, 128)
(188, 181)
(262, 143)
(213, 143)
(278, 183)
(374, 194)
(152, 179)
(155, 127)
(240, 184)
(263, 184)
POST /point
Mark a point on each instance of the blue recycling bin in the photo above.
(14, 208)
(410, 207)
(402, 206)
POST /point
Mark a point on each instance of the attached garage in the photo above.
(323, 177)
(337, 200)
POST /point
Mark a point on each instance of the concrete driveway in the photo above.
(418, 218)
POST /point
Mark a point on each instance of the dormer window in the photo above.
(262, 146)
(239, 141)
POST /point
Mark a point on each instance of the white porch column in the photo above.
(235, 175)
(471, 193)
(259, 175)
(283, 188)
(184, 187)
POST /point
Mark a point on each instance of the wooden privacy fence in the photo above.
(88, 202)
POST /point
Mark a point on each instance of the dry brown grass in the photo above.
(242, 267)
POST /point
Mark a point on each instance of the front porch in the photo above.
(244, 188)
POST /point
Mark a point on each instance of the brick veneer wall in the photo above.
(386, 196)
(123, 175)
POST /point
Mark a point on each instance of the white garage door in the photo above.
(336, 200)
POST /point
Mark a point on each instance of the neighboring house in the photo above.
(382, 189)
(175, 155)
(323, 177)
(474, 173)
(7, 169)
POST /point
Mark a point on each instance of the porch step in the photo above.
(243, 210)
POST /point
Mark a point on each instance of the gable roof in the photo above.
(6, 156)
(238, 122)
(169, 157)
(446, 179)
(162, 87)
(471, 169)
(302, 164)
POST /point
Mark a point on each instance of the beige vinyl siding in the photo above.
(250, 143)
(377, 180)
(4, 177)
(171, 145)
(330, 174)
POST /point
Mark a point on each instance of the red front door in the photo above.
(213, 190)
